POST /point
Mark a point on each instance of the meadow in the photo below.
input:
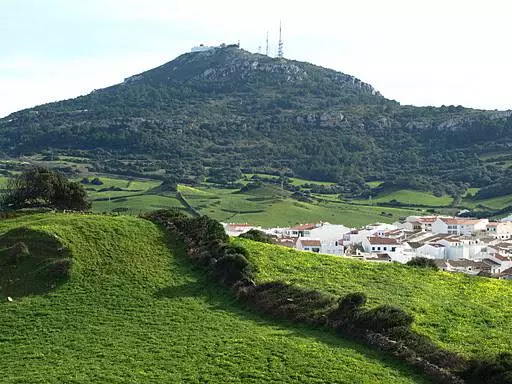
(270, 206)
(461, 313)
(136, 311)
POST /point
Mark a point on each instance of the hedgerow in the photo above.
(386, 328)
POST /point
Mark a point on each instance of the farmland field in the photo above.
(406, 196)
(135, 311)
(465, 314)
(272, 207)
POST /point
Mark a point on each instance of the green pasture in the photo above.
(466, 314)
(137, 311)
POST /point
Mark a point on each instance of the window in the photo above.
(317, 250)
(378, 248)
(373, 248)
(393, 249)
(385, 248)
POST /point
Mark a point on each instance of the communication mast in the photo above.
(280, 46)
(266, 50)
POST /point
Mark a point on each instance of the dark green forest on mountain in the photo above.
(227, 110)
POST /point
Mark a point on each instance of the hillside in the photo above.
(230, 109)
(134, 311)
(463, 314)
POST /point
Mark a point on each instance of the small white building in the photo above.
(432, 251)
(498, 263)
(459, 226)
(499, 230)
(469, 267)
(374, 244)
(233, 229)
(330, 247)
(357, 236)
(301, 230)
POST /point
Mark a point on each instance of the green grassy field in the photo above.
(135, 311)
(269, 206)
(406, 196)
(469, 315)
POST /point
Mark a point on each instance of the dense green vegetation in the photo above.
(468, 315)
(38, 187)
(213, 115)
(134, 311)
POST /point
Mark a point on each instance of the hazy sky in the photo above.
(421, 52)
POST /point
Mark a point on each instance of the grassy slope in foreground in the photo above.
(469, 315)
(135, 312)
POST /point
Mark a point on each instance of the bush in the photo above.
(232, 268)
(383, 318)
(422, 262)
(257, 235)
(498, 371)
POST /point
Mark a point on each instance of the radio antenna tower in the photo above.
(280, 46)
(266, 50)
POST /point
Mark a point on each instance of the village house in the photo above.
(375, 244)
(469, 267)
(301, 230)
(233, 229)
(506, 274)
(330, 247)
(499, 230)
(357, 236)
(379, 257)
(459, 226)
(498, 264)
(311, 245)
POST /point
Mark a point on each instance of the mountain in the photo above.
(229, 109)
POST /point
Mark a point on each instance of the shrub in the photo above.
(422, 262)
(383, 318)
(257, 235)
(498, 371)
(232, 268)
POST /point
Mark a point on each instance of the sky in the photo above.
(419, 52)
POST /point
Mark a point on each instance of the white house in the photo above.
(500, 230)
(330, 247)
(459, 226)
(311, 245)
(327, 231)
(498, 263)
(233, 229)
(432, 251)
(357, 236)
(374, 244)
(469, 267)
(301, 230)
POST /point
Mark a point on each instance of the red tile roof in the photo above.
(458, 221)
(303, 227)
(382, 240)
(311, 243)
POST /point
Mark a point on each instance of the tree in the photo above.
(41, 187)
